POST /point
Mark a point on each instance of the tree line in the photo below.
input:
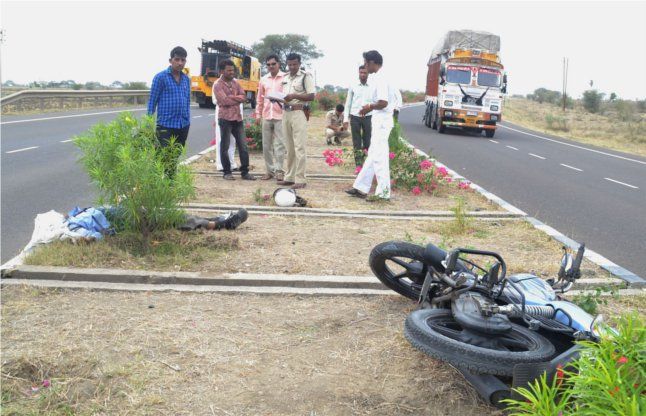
(73, 85)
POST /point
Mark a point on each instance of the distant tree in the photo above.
(592, 100)
(9, 83)
(68, 83)
(36, 84)
(641, 106)
(93, 85)
(328, 87)
(543, 95)
(53, 84)
(116, 84)
(625, 110)
(137, 85)
(282, 45)
(613, 96)
(76, 86)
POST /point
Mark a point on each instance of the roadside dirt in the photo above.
(208, 354)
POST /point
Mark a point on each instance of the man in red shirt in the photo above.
(229, 95)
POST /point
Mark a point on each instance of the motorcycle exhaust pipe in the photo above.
(489, 387)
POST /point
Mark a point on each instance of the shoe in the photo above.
(298, 186)
(229, 177)
(280, 176)
(337, 141)
(356, 193)
(329, 142)
(266, 177)
(285, 183)
(236, 169)
(232, 221)
(248, 177)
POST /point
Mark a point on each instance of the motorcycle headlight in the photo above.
(448, 114)
(448, 103)
(494, 108)
(494, 118)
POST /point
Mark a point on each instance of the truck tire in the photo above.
(490, 133)
(440, 127)
(434, 123)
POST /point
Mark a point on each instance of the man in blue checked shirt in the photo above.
(170, 96)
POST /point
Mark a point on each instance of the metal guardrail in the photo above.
(42, 95)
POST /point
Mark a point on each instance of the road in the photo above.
(591, 195)
(40, 171)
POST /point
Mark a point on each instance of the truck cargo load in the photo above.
(465, 82)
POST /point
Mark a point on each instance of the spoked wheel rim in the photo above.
(512, 341)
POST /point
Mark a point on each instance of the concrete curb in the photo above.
(421, 214)
(68, 275)
(629, 277)
(134, 287)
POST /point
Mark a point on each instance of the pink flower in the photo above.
(46, 383)
(421, 177)
(357, 170)
(249, 139)
(247, 126)
(464, 185)
(365, 151)
(426, 164)
(622, 360)
(416, 190)
(448, 180)
(212, 142)
(442, 172)
(391, 155)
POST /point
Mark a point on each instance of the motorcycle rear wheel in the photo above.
(400, 266)
(436, 333)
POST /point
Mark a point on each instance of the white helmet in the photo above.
(285, 197)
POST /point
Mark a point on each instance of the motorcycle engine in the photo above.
(475, 312)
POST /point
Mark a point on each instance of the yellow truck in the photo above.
(215, 51)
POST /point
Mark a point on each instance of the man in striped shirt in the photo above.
(170, 97)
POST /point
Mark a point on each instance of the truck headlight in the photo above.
(448, 114)
(494, 108)
(448, 103)
(494, 118)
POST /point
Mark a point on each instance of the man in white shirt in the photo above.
(358, 96)
(382, 105)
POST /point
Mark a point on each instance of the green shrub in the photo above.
(557, 123)
(129, 171)
(592, 100)
(253, 131)
(607, 379)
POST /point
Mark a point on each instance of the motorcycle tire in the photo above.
(421, 331)
(407, 282)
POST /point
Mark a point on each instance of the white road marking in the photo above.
(197, 116)
(622, 183)
(493, 141)
(571, 167)
(67, 141)
(22, 150)
(70, 116)
(540, 157)
(574, 145)
(511, 147)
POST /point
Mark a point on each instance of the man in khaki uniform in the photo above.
(335, 128)
(300, 90)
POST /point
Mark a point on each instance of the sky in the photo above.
(131, 41)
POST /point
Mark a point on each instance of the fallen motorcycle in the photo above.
(490, 326)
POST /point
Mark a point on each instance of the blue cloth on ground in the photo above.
(89, 222)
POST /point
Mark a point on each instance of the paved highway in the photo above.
(40, 170)
(592, 195)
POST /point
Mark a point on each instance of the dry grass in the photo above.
(306, 245)
(595, 129)
(210, 354)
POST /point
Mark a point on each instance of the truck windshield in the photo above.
(488, 78)
(458, 75)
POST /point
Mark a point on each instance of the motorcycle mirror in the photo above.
(565, 260)
(451, 261)
(493, 274)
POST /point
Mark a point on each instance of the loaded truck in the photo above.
(465, 83)
(215, 51)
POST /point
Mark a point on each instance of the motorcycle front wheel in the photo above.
(436, 333)
(400, 266)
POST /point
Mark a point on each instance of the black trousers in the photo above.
(361, 128)
(235, 128)
(164, 135)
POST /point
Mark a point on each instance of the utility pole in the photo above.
(566, 62)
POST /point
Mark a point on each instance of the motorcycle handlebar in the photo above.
(453, 258)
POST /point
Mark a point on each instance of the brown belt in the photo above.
(292, 107)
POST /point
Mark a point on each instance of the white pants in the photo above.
(377, 163)
(232, 145)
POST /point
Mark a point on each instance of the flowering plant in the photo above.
(253, 131)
